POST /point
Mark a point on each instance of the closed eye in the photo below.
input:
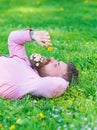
(55, 65)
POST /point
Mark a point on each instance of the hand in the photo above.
(42, 37)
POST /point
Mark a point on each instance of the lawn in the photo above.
(73, 29)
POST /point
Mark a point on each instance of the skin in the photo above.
(42, 38)
(55, 68)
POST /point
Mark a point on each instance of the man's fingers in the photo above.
(46, 40)
(47, 44)
(44, 43)
(44, 33)
(44, 37)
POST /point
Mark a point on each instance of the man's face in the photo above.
(55, 68)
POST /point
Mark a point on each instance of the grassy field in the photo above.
(73, 29)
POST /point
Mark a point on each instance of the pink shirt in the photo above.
(17, 78)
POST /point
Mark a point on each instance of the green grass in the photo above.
(73, 29)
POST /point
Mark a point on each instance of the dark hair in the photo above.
(72, 73)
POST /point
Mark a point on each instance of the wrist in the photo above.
(32, 34)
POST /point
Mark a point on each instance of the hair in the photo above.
(41, 68)
(72, 72)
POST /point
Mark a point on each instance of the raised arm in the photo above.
(17, 39)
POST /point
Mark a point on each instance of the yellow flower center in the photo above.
(12, 127)
(41, 115)
(18, 120)
(0, 125)
(50, 49)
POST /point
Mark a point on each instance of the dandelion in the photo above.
(65, 126)
(0, 125)
(41, 115)
(55, 115)
(72, 125)
(18, 120)
(85, 119)
(12, 127)
(35, 101)
(50, 49)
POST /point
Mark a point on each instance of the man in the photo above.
(18, 78)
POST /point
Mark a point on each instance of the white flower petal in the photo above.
(37, 64)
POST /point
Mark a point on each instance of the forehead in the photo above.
(63, 67)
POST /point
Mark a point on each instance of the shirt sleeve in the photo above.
(48, 87)
(16, 41)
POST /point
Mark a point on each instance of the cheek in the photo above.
(48, 68)
(51, 69)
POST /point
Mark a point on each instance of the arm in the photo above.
(17, 39)
(46, 87)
